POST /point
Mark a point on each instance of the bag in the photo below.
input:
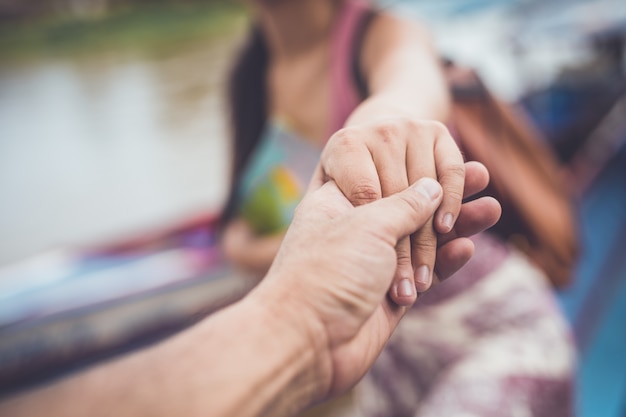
(537, 206)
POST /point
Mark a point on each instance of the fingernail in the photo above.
(428, 187)
(405, 288)
(448, 220)
(422, 275)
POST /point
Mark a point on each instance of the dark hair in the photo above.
(248, 98)
(247, 106)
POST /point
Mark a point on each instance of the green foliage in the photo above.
(146, 27)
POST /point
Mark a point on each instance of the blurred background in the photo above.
(110, 117)
(113, 135)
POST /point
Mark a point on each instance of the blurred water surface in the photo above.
(98, 147)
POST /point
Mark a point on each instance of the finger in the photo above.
(387, 149)
(325, 202)
(403, 291)
(451, 176)
(420, 164)
(454, 247)
(349, 163)
(452, 256)
(475, 217)
(476, 178)
(423, 253)
(401, 214)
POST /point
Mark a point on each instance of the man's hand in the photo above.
(333, 272)
(308, 332)
(337, 264)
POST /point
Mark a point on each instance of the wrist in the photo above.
(299, 334)
(377, 108)
(386, 106)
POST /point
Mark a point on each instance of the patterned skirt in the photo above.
(490, 341)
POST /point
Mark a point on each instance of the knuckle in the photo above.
(341, 145)
(403, 254)
(345, 137)
(388, 132)
(416, 206)
(438, 128)
(452, 178)
(454, 195)
(454, 170)
(363, 193)
(414, 124)
(425, 246)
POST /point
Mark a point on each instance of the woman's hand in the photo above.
(370, 161)
(245, 249)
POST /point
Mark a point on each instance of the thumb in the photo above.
(403, 213)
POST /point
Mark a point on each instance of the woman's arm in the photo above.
(403, 73)
(396, 136)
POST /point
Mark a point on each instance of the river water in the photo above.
(96, 149)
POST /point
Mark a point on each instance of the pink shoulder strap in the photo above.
(344, 94)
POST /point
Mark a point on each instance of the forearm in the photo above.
(265, 365)
(391, 104)
(403, 72)
(239, 362)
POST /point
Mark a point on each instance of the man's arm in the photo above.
(309, 331)
(238, 362)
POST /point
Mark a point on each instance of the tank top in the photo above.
(275, 179)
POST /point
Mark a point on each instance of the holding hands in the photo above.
(374, 160)
(336, 265)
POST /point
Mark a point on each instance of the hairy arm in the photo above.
(242, 361)
(309, 331)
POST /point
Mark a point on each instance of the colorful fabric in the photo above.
(276, 178)
(478, 345)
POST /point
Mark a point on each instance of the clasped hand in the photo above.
(378, 159)
(338, 262)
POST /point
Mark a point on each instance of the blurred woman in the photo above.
(298, 82)
(361, 95)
